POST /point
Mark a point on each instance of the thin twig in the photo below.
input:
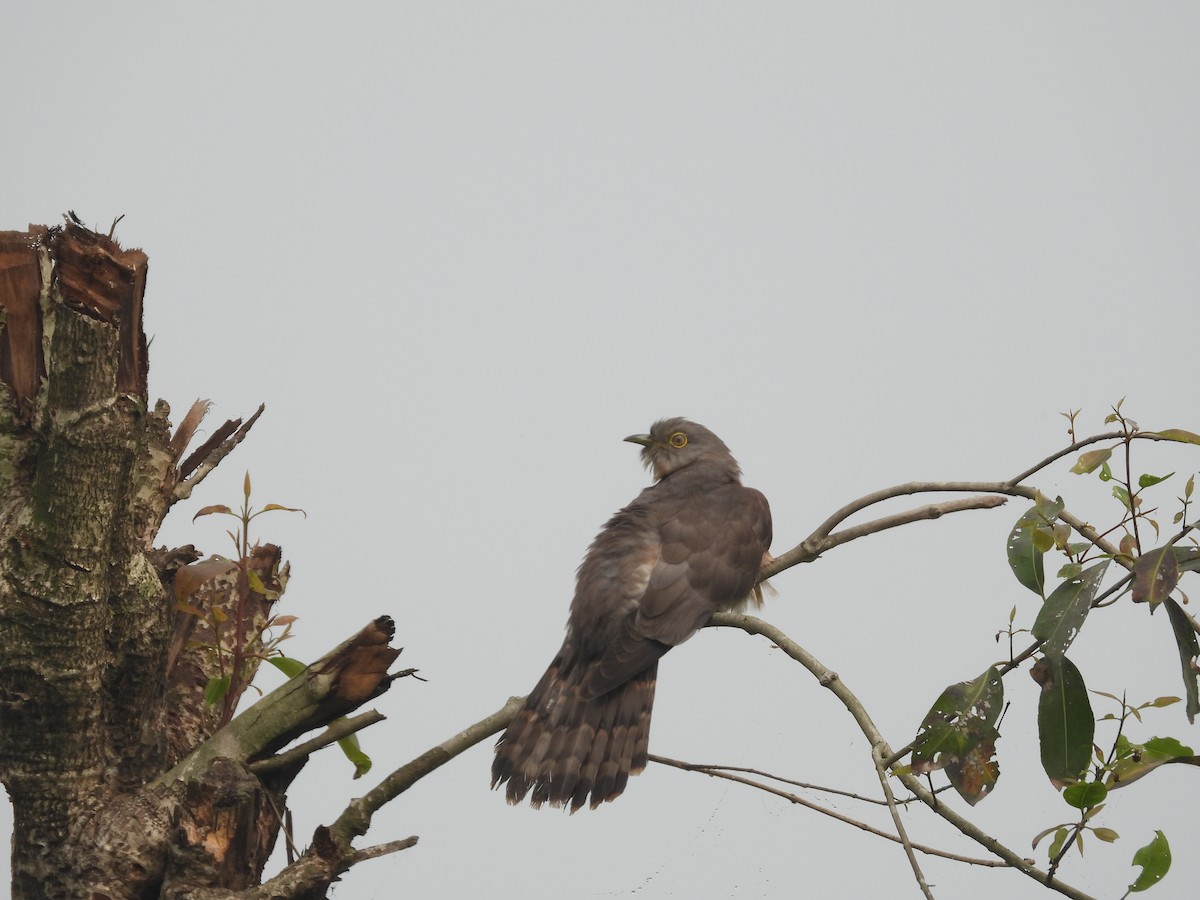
(932, 511)
(318, 869)
(334, 733)
(285, 817)
(808, 804)
(1079, 445)
(819, 541)
(384, 849)
(356, 818)
(877, 758)
(823, 539)
(747, 770)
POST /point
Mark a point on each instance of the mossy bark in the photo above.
(119, 787)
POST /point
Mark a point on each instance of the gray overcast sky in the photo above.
(461, 250)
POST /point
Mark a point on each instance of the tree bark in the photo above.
(123, 783)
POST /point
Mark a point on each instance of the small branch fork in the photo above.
(200, 462)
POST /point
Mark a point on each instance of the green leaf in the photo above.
(1178, 434)
(288, 666)
(1165, 748)
(354, 753)
(1090, 461)
(255, 582)
(1155, 860)
(1041, 834)
(1085, 794)
(1065, 722)
(1155, 575)
(1189, 649)
(1105, 834)
(1146, 481)
(1105, 473)
(1056, 845)
(1070, 570)
(1135, 761)
(1029, 540)
(1123, 495)
(216, 689)
(1160, 702)
(1063, 613)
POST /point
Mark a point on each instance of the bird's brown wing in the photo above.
(708, 552)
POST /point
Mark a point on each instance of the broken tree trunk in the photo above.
(123, 781)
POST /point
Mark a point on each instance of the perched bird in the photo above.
(690, 544)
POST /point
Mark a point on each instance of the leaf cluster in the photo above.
(959, 732)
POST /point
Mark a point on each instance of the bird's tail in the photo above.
(564, 744)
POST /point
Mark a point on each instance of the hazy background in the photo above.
(461, 250)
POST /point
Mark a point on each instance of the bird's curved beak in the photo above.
(644, 439)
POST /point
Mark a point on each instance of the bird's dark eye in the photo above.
(678, 440)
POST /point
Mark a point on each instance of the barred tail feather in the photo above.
(565, 745)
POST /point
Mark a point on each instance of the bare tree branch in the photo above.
(332, 852)
(334, 733)
(901, 833)
(384, 849)
(805, 785)
(727, 774)
(823, 538)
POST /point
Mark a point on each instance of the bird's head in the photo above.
(673, 444)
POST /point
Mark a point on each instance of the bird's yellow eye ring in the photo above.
(678, 440)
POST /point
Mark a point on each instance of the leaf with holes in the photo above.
(1147, 480)
(1063, 613)
(1029, 539)
(1155, 860)
(1155, 575)
(1189, 650)
(975, 773)
(955, 731)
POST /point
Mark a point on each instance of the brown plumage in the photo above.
(687, 546)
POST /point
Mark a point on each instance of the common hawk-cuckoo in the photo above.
(690, 544)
